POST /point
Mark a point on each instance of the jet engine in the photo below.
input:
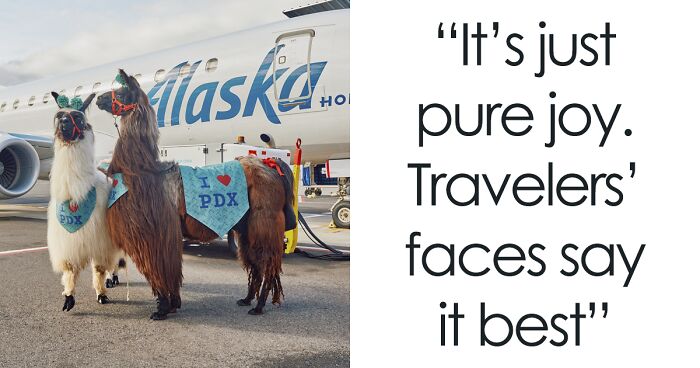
(19, 166)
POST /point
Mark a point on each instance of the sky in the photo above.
(43, 38)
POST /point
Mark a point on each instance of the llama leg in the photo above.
(254, 282)
(113, 279)
(166, 285)
(265, 233)
(70, 275)
(109, 283)
(262, 298)
(99, 274)
(163, 308)
(175, 301)
(254, 275)
(160, 290)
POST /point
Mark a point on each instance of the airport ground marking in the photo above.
(319, 249)
(19, 251)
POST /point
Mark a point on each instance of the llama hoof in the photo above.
(175, 303)
(157, 316)
(109, 284)
(69, 303)
(163, 309)
(102, 299)
(243, 302)
(115, 280)
(255, 312)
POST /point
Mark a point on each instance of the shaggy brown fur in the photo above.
(261, 241)
(144, 221)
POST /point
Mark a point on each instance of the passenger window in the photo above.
(2, 107)
(78, 91)
(159, 75)
(31, 101)
(46, 97)
(96, 87)
(212, 64)
(184, 70)
(15, 105)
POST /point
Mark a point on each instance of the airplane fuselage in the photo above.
(210, 92)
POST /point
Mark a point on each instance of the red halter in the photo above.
(75, 128)
(119, 107)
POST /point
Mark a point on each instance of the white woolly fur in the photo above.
(73, 175)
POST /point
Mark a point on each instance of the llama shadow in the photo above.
(217, 249)
(220, 310)
(214, 304)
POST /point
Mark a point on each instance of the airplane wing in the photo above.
(42, 144)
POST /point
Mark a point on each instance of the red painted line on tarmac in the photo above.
(19, 251)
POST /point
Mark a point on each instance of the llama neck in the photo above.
(73, 171)
(136, 150)
(133, 155)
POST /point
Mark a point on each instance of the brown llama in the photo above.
(150, 221)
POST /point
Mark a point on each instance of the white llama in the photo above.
(77, 228)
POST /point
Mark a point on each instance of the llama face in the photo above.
(120, 102)
(70, 125)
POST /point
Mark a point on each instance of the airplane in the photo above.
(270, 84)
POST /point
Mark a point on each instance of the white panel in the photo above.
(185, 155)
(231, 151)
(338, 168)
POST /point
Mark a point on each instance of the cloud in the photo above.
(11, 77)
(140, 29)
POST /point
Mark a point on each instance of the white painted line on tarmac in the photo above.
(320, 249)
(18, 251)
(312, 215)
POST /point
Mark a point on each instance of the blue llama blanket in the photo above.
(216, 195)
(73, 217)
(118, 189)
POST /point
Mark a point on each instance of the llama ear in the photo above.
(133, 84)
(55, 97)
(87, 102)
(125, 77)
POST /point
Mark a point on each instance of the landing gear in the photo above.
(313, 192)
(341, 214)
(341, 209)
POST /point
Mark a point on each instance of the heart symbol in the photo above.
(73, 207)
(224, 179)
(114, 183)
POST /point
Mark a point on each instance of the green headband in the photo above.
(121, 80)
(75, 103)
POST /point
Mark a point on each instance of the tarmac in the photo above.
(311, 328)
